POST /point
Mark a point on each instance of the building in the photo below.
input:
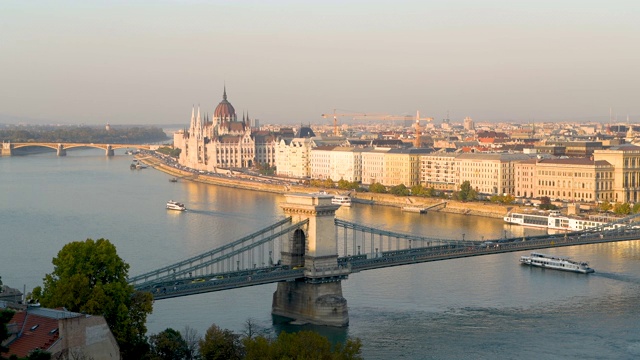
(439, 170)
(402, 166)
(373, 165)
(574, 179)
(224, 141)
(490, 173)
(293, 156)
(64, 334)
(625, 160)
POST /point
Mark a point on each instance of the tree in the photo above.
(466, 193)
(5, 317)
(605, 206)
(622, 209)
(220, 344)
(377, 188)
(399, 190)
(545, 204)
(89, 277)
(634, 210)
(168, 345)
(300, 345)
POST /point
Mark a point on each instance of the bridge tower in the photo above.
(109, 150)
(317, 297)
(61, 150)
(7, 149)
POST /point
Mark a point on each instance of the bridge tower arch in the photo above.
(317, 297)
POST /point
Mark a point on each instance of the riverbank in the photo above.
(245, 182)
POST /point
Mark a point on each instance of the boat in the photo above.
(173, 180)
(556, 263)
(174, 205)
(552, 220)
(342, 200)
(414, 209)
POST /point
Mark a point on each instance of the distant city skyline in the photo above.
(287, 62)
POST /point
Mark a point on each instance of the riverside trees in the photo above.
(89, 277)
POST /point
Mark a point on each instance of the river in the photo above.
(475, 308)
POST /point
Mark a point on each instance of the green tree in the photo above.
(466, 193)
(377, 188)
(622, 209)
(545, 204)
(89, 277)
(300, 345)
(605, 206)
(5, 317)
(399, 190)
(635, 210)
(221, 344)
(168, 345)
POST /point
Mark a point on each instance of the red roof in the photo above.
(35, 332)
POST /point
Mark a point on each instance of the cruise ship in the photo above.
(552, 220)
(556, 263)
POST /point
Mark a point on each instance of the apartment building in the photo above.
(373, 165)
(490, 173)
(402, 166)
(320, 162)
(293, 157)
(439, 171)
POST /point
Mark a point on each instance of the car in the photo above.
(198, 281)
(298, 267)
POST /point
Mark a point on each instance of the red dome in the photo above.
(225, 109)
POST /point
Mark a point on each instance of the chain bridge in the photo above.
(310, 252)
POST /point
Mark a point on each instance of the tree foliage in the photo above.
(84, 134)
(168, 345)
(173, 152)
(503, 199)
(399, 190)
(466, 192)
(300, 345)
(622, 208)
(377, 188)
(221, 344)
(545, 204)
(5, 317)
(348, 185)
(89, 277)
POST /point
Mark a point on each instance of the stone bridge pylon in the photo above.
(316, 298)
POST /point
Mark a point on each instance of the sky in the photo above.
(149, 62)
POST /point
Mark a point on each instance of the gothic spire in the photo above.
(224, 93)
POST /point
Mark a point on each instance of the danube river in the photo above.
(477, 308)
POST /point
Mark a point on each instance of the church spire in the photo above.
(224, 93)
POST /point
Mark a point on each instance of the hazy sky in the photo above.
(148, 62)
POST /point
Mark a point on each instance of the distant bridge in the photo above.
(61, 148)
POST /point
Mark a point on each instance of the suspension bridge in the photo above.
(310, 251)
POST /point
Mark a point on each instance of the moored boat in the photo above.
(173, 180)
(342, 200)
(556, 263)
(174, 205)
(553, 220)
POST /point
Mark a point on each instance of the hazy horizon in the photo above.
(288, 62)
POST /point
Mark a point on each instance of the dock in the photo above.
(414, 209)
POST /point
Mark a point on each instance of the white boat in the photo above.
(556, 263)
(342, 200)
(552, 220)
(174, 205)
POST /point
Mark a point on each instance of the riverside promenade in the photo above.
(248, 182)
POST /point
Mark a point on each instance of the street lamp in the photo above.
(462, 236)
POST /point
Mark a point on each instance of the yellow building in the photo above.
(439, 171)
(402, 166)
(626, 171)
(574, 179)
(490, 173)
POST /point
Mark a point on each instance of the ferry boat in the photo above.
(552, 220)
(556, 263)
(342, 200)
(174, 205)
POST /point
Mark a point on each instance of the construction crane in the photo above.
(416, 141)
(374, 116)
(350, 114)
